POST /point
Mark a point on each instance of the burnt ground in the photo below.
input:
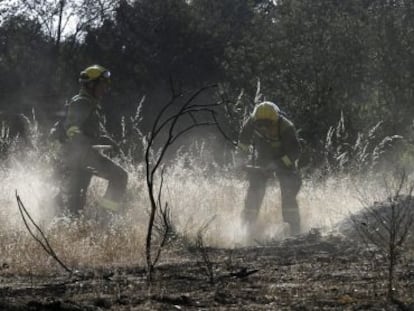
(309, 272)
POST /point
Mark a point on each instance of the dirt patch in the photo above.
(310, 272)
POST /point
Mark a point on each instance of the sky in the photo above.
(49, 17)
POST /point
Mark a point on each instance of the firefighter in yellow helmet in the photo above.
(84, 133)
(276, 150)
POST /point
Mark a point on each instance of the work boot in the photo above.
(294, 228)
(292, 217)
(109, 205)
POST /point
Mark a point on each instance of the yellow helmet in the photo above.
(266, 111)
(95, 73)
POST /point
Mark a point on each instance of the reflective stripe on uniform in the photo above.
(258, 133)
(250, 211)
(275, 144)
(286, 161)
(109, 204)
(72, 131)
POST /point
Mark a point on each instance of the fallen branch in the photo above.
(43, 241)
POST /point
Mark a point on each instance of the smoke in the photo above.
(198, 194)
(26, 173)
(218, 199)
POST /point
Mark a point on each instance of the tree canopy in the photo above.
(316, 59)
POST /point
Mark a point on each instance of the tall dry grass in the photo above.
(197, 190)
(195, 193)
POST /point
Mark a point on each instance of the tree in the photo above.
(24, 57)
(393, 53)
(62, 19)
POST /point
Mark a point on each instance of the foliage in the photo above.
(362, 153)
(319, 60)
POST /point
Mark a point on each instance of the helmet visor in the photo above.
(106, 77)
(106, 74)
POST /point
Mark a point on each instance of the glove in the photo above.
(239, 160)
(243, 147)
(287, 162)
(116, 148)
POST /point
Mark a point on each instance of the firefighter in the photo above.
(276, 149)
(85, 132)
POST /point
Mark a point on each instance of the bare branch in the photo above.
(259, 95)
(45, 243)
(387, 225)
(169, 124)
(206, 264)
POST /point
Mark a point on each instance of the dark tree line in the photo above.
(316, 59)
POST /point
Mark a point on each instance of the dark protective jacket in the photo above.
(278, 145)
(81, 160)
(84, 118)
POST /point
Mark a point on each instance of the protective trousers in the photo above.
(81, 164)
(290, 183)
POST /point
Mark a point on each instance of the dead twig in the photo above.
(243, 273)
(206, 264)
(163, 226)
(170, 123)
(387, 226)
(43, 241)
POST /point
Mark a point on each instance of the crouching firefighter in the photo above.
(276, 150)
(84, 134)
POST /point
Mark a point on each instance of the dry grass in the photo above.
(194, 193)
